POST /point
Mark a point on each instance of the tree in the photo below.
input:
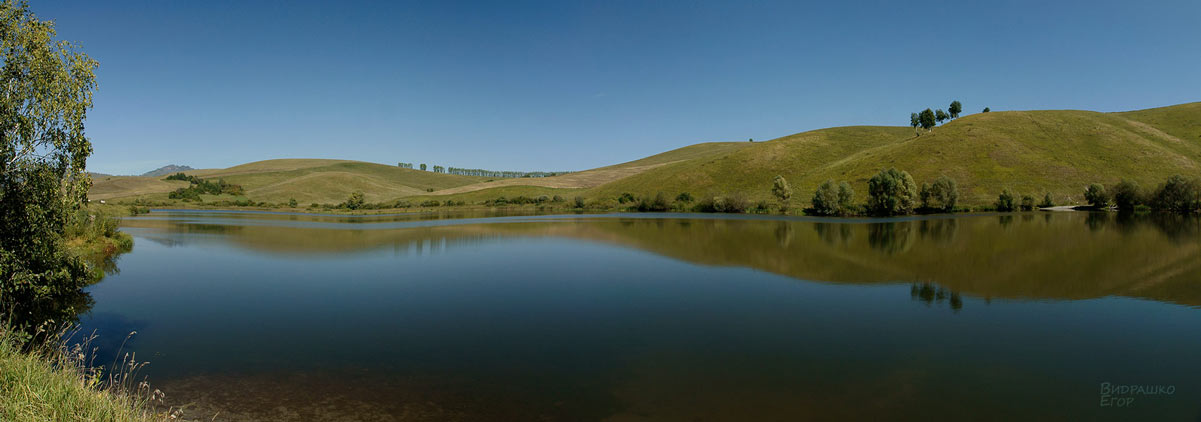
(846, 198)
(941, 116)
(1006, 201)
(955, 109)
(825, 199)
(1027, 203)
(1126, 195)
(47, 92)
(914, 120)
(986, 110)
(1047, 201)
(891, 192)
(422, 166)
(292, 202)
(1096, 196)
(355, 201)
(940, 196)
(926, 118)
(1178, 195)
(782, 191)
(684, 197)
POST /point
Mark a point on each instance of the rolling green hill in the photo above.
(1030, 152)
(306, 180)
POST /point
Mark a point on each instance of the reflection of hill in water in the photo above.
(1047, 256)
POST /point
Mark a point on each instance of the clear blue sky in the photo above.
(565, 85)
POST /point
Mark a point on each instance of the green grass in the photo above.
(50, 383)
(479, 196)
(1029, 152)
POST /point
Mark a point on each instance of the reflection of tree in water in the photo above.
(833, 232)
(1005, 220)
(940, 230)
(784, 233)
(1096, 220)
(931, 294)
(1176, 227)
(891, 237)
(63, 308)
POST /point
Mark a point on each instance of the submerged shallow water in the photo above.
(661, 317)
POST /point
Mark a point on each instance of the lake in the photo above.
(640, 317)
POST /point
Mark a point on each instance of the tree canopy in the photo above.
(47, 91)
(926, 118)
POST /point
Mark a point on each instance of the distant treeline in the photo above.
(485, 173)
(201, 187)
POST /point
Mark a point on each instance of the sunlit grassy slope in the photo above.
(306, 180)
(1030, 152)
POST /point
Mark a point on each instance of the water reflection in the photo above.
(891, 237)
(1154, 256)
(660, 317)
(932, 294)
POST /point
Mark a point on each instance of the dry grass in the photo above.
(110, 187)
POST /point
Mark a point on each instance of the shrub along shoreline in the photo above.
(891, 192)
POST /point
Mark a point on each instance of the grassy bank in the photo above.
(48, 381)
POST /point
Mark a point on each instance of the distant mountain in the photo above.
(167, 170)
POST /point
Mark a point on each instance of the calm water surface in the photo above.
(661, 317)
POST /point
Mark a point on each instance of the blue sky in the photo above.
(564, 85)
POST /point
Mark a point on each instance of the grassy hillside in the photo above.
(1030, 152)
(603, 175)
(111, 187)
(306, 180)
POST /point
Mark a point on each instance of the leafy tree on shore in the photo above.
(986, 110)
(927, 119)
(825, 199)
(782, 191)
(831, 199)
(1027, 203)
(684, 197)
(422, 166)
(1006, 201)
(1126, 195)
(1178, 195)
(47, 92)
(940, 196)
(1047, 201)
(941, 116)
(846, 198)
(891, 192)
(914, 120)
(1096, 196)
(955, 109)
(355, 201)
